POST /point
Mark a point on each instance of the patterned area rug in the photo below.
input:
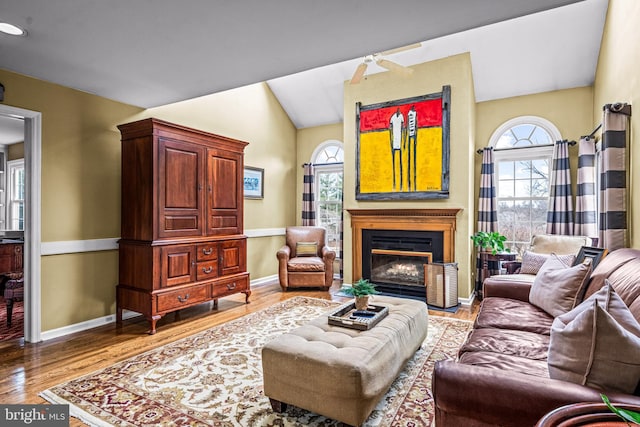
(214, 378)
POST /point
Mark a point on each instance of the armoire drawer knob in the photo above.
(183, 299)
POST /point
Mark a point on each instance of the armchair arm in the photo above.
(487, 396)
(283, 255)
(328, 256)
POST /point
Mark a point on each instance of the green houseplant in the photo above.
(361, 290)
(490, 241)
(627, 415)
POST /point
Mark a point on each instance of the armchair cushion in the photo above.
(597, 344)
(306, 249)
(557, 285)
(305, 263)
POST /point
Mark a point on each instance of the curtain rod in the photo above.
(481, 150)
(593, 132)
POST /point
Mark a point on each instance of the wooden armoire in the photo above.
(182, 239)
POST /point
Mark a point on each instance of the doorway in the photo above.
(32, 214)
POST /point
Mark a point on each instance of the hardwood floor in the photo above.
(27, 369)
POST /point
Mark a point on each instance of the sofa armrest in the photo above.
(506, 287)
(487, 396)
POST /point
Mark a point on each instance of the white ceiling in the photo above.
(154, 52)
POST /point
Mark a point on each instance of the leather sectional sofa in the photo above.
(501, 376)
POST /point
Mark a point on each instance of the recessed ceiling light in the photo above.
(12, 29)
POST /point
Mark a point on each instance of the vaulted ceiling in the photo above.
(154, 52)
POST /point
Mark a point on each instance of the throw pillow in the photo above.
(556, 286)
(532, 261)
(597, 344)
(306, 249)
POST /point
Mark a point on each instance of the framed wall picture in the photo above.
(596, 254)
(402, 149)
(253, 183)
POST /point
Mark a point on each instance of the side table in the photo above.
(491, 263)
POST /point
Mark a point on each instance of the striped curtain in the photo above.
(560, 211)
(487, 212)
(308, 197)
(487, 203)
(586, 189)
(613, 177)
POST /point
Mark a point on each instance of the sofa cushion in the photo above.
(506, 362)
(557, 285)
(507, 313)
(597, 344)
(505, 341)
(532, 261)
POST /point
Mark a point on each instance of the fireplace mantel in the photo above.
(402, 219)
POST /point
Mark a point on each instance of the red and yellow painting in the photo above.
(403, 149)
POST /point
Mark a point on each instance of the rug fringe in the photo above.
(74, 411)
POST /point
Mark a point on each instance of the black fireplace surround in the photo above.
(399, 273)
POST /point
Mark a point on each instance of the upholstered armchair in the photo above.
(305, 260)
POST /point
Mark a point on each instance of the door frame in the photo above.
(32, 218)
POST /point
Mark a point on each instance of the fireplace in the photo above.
(394, 259)
(391, 247)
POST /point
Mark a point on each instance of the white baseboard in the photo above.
(126, 314)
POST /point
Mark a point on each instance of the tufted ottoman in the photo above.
(338, 372)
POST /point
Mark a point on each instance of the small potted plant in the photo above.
(361, 290)
(490, 242)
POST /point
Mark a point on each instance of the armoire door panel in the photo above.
(178, 264)
(181, 174)
(224, 192)
(232, 257)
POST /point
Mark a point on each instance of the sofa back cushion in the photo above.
(557, 285)
(597, 344)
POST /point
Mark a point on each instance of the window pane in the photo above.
(540, 168)
(523, 132)
(541, 137)
(507, 140)
(523, 169)
(505, 170)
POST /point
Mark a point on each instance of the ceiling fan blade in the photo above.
(401, 49)
(396, 68)
(357, 75)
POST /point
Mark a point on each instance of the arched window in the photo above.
(328, 159)
(523, 148)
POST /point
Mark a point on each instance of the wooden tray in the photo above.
(348, 317)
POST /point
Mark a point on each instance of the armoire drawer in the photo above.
(206, 270)
(183, 298)
(207, 251)
(230, 286)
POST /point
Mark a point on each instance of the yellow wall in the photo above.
(80, 194)
(427, 78)
(252, 114)
(571, 111)
(308, 140)
(81, 181)
(15, 151)
(618, 80)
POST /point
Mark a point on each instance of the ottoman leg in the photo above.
(277, 406)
